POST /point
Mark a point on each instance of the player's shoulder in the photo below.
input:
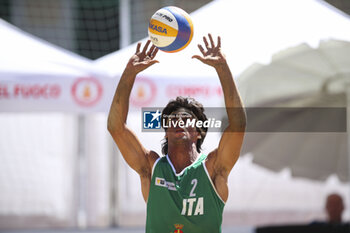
(210, 161)
(152, 157)
(212, 156)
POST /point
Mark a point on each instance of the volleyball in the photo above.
(170, 29)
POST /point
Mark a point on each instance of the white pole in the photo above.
(348, 123)
(114, 215)
(82, 176)
(125, 22)
(125, 40)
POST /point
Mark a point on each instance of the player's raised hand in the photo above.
(141, 60)
(212, 54)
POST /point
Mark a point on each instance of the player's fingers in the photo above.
(138, 47)
(154, 52)
(201, 49)
(150, 51)
(152, 62)
(218, 46)
(211, 41)
(146, 46)
(219, 42)
(206, 42)
(198, 57)
(149, 62)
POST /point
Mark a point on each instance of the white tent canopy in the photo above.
(24, 53)
(38, 76)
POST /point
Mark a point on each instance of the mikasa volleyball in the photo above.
(170, 29)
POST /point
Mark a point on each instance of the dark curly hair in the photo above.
(189, 104)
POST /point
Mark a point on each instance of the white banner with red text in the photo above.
(95, 94)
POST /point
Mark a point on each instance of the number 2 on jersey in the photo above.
(194, 183)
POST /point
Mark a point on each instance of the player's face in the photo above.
(181, 125)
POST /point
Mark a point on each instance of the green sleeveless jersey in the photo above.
(183, 203)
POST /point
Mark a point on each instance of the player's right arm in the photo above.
(138, 158)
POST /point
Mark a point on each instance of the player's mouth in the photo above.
(179, 130)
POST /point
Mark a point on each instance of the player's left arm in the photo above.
(221, 161)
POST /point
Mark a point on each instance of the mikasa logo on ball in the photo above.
(158, 28)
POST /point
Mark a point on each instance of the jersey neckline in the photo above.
(183, 170)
